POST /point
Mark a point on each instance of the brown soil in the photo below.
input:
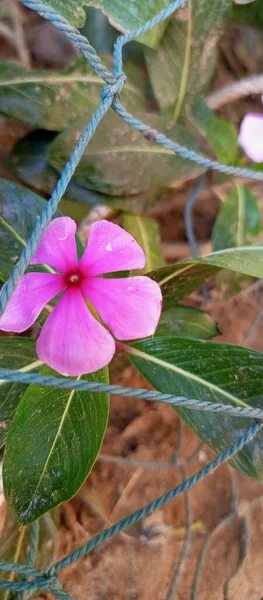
(218, 525)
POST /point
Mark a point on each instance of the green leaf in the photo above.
(179, 280)
(145, 230)
(209, 372)
(51, 446)
(186, 322)
(120, 161)
(250, 14)
(52, 100)
(130, 15)
(182, 66)
(221, 135)
(29, 162)
(15, 353)
(70, 9)
(19, 209)
(238, 219)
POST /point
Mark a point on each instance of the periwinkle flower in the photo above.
(72, 340)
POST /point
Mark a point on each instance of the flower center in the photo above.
(73, 278)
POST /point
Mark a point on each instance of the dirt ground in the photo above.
(206, 544)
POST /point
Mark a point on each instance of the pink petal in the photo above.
(251, 136)
(57, 247)
(72, 341)
(28, 300)
(110, 248)
(130, 307)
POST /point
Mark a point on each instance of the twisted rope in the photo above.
(49, 581)
(114, 83)
(64, 383)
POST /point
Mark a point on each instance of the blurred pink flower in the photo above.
(72, 341)
(251, 136)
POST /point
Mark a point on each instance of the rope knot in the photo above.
(113, 89)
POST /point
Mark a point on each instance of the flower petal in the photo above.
(110, 248)
(57, 247)
(28, 300)
(72, 341)
(130, 307)
(251, 136)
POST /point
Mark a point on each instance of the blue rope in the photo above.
(114, 83)
(65, 383)
(49, 582)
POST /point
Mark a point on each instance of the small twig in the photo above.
(188, 215)
(21, 47)
(253, 327)
(234, 91)
(7, 33)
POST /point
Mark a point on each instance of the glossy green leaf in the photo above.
(120, 161)
(179, 280)
(145, 230)
(52, 100)
(15, 353)
(29, 162)
(130, 15)
(238, 219)
(51, 446)
(19, 209)
(186, 321)
(209, 372)
(181, 67)
(72, 10)
(221, 135)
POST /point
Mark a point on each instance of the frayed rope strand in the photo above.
(64, 383)
(49, 582)
(158, 503)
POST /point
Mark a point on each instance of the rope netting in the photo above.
(48, 581)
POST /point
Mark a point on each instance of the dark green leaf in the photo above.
(99, 31)
(130, 15)
(209, 372)
(238, 219)
(250, 14)
(118, 160)
(29, 162)
(145, 230)
(19, 209)
(186, 322)
(15, 353)
(52, 100)
(181, 67)
(51, 446)
(221, 135)
(179, 280)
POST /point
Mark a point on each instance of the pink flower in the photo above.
(251, 136)
(72, 341)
